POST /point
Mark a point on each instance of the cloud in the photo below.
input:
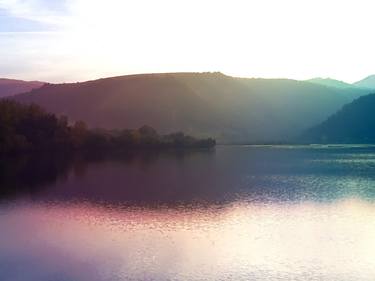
(52, 12)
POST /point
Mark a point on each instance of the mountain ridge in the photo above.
(368, 82)
(227, 108)
(10, 87)
(353, 123)
(330, 82)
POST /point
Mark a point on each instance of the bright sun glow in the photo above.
(85, 39)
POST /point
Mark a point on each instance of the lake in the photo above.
(232, 213)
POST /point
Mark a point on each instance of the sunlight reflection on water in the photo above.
(265, 216)
(241, 241)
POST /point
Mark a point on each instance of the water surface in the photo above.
(234, 213)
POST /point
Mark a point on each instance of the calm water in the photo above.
(234, 213)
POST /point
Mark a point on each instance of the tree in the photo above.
(79, 133)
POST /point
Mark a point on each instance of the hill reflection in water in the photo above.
(227, 174)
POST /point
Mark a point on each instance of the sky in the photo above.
(77, 40)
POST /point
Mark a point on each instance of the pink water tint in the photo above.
(277, 241)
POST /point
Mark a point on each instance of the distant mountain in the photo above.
(10, 87)
(331, 83)
(368, 82)
(200, 104)
(354, 123)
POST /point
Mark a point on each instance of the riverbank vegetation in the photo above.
(30, 128)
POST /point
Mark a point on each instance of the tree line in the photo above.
(31, 128)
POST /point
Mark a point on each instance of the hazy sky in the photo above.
(73, 40)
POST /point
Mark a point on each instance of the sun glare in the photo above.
(292, 39)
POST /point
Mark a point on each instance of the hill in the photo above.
(368, 82)
(354, 123)
(331, 83)
(10, 87)
(201, 104)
